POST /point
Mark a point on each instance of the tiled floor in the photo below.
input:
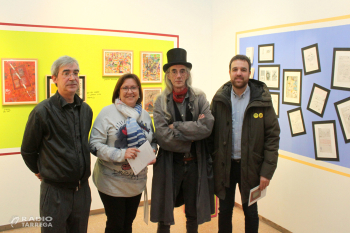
(97, 224)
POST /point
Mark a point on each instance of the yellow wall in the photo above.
(87, 49)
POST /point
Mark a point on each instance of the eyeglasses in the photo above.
(67, 74)
(132, 89)
(175, 72)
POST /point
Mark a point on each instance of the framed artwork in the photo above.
(325, 140)
(341, 69)
(292, 87)
(266, 53)
(19, 81)
(151, 67)
(150, 95)
(117, 62)
(275, 98)
(296, 122)
(343, 111)
(51, 87)
(270, 75)
(311, 59)
(318, 100)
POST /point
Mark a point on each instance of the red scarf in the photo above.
(179, 96)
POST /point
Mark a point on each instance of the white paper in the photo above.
(255, 195)
(249, 52)
(144, 157)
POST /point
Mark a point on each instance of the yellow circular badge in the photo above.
(260, 115)
(255, 115)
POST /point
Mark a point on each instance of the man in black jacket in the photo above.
(55, 148)
(244, 142)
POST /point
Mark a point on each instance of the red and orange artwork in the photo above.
(149, 98)
(117, 63)
(151, 63)
(19, 81)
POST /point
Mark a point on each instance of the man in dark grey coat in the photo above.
(182, 120)
(244, 142)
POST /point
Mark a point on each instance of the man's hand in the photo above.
(264, 182)
(171, 126)
(39, 176)
(201, 116)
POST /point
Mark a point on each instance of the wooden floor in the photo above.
(97, 224)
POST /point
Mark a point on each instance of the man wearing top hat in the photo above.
(182, 173)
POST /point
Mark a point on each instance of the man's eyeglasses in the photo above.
(67, 74)
(132, 89)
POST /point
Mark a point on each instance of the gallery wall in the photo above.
(304, 195)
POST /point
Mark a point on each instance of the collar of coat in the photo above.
(258, 92)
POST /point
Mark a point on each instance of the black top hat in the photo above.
(177, 56)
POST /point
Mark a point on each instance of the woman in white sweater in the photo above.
(118, 131)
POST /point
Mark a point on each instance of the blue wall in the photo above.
(288, 54)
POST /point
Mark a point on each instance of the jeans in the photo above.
(226, 206)
(185, 181)
(120, 212)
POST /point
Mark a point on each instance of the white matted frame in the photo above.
(266, 53)
(325, 140)
(151, 67)
(150, 95)
(296, 122)
(341, 69)
(311, 59)
(117, 62)
(343, 111)
(318, 100)
(19, 81)
(51, 88)
(292, 85)
(270, 75)
(275, 98)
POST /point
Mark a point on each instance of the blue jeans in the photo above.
(226, 206)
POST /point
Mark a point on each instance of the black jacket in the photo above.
(259, 141)
(48, 147)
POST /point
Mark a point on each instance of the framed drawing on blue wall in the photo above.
(292, 84)
(343, 111)
(325, 140)
(318, 100)
(341, 69)
(311, 59)
(266, 53)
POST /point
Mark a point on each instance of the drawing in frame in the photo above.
(275, 98)
(51, 88)
(318, 100)
(292, 85)
(343, 111)
(151, 67)
(325, 140)
(150, 95)
(266, 53)
(117, 62)
(341, 69)
(270, 75)
(311, 59)
(296, 122)
(19, 81)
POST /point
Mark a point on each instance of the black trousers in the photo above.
(185, 181)
(120, 212)
(226, 206)
(64, 210)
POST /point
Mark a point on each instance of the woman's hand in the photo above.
(131, 153)
(152, 162)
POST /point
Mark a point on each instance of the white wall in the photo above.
(300, 198)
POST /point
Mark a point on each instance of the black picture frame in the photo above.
(266, 53)
(277, 96)
(49, 91)
(291, 95)
(296, 128)
(316, 99)
(272, 80)
(311, 59)
(328, 133)
(344, 117)
(341, 65)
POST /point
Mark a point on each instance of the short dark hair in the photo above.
(241, 57)
(120, 82)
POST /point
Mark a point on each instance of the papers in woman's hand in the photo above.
(144, 157)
